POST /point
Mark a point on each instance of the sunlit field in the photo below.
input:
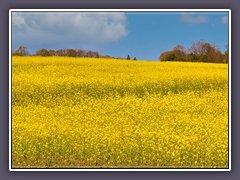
(105, 113)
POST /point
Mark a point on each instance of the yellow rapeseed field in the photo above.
(105, 113)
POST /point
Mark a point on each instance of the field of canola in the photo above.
(101, 113)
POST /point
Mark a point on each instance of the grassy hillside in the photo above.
(81, 112)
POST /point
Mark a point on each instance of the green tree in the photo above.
(177, 54)
(168, 56)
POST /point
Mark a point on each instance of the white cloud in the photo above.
(224, 19)
(31, 28)
(193, 18)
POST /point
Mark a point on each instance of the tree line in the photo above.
(200, 51)
(23, 51)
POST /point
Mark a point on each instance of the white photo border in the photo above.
(119, 10)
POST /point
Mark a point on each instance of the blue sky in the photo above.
(143, 35)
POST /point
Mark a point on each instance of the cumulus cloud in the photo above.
(224, 19)
(43, 28)
(193, 18)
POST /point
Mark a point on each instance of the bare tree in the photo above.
(21, 51)
(179, 48)
(205, 52)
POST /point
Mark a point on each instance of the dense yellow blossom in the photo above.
(83, 112)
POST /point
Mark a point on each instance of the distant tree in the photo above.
(106, 57)
(205, 52)
(226, 55)
(193, 57)
(81, 53)
(93, 54)
(180, 53)
(196, 47)
(200, 51)
(177, 54)
(128, 57)
(52, 52)
(21, 51)
(180, 48)
(71, 53)
(135, 58)
(168, 56)
(42, 52)
(61, 52)
(96, 55)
